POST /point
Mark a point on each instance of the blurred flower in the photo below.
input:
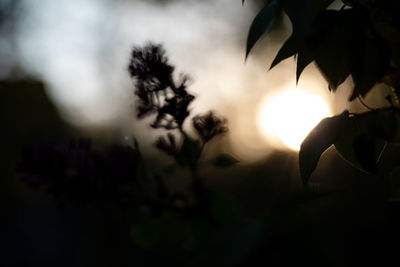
(149, 66)
(169, 146)
(209, 125)
(156, 90)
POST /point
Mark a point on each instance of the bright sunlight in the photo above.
(287, 117)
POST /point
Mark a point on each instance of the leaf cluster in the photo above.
(360, 40)
(359, 138)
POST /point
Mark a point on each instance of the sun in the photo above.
(288, 116)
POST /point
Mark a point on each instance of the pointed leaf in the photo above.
(330, 43)
(318, 140)
(224, 160)
(303, 60)
(288, 49)
(261, 24)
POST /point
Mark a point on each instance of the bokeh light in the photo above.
(289, 116)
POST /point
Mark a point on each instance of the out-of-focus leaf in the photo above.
(261, 24)
(363, 140)
(224, 160)
(288, 49)
(189, 152)
(318, 140)
(223, 207)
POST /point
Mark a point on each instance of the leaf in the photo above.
(288, 49)
(384, 124)
(318, 140)
(362, 143)
(343, 43)
(261, 24)
(373, 62)
(302, 14)
(303, 60)
(330, 42)
(224, 160)
(189, 152)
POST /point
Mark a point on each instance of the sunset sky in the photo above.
(81, 49)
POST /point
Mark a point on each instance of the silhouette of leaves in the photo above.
(359, 139)
(318, 140)
(261, 24)
(354, 41)
(289, 48)
(364, 139)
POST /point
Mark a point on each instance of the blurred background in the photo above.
(64, 74)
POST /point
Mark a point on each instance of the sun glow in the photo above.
(287, 117)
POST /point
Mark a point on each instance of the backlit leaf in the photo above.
(224, 160)
(288, 49)
(304, 58)
(362, 142)
(261, 24)
(318, 140)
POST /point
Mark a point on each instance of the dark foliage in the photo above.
(76, 174)
(360, 40)
(351, 41)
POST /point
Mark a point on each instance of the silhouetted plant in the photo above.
(156, 90)
(159, 94)
(360, 40)
(76, 174)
